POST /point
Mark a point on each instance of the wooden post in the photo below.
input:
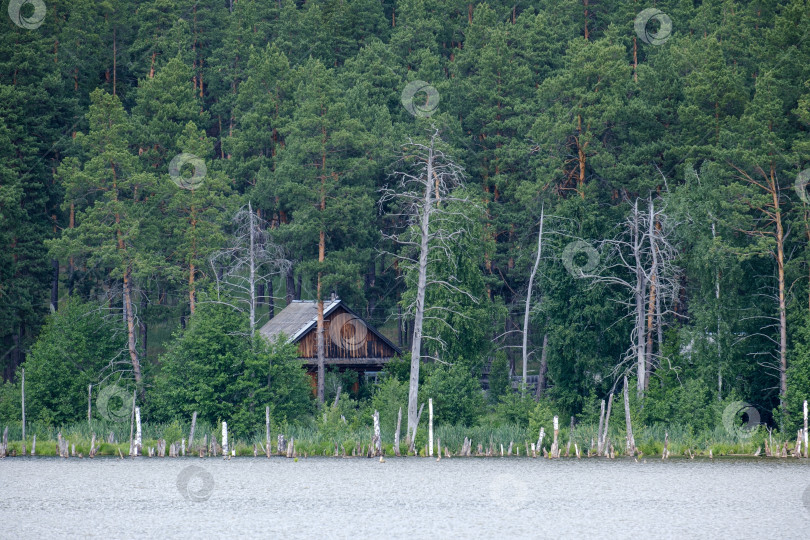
(570, 437)
(630, 448)
(607, 424)
(22, 389)
(555, 449)
(599, 431)
(540, 440)
(430, 427)
(137, 431)
(665, 453)
(376, 442)
(396, 433)
(34, 445)
(805, 429)
(132, 424)
(225, 439)
(183, 448)
(193, 426)
(89, 403)
(267, 429)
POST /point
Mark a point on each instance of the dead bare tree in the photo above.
(425, 201)
(250, 259)
(527, 309)
(641, 260)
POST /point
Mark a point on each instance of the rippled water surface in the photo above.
(414, 498)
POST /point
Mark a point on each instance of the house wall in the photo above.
(349, 339)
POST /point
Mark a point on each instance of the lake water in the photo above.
(406, 497)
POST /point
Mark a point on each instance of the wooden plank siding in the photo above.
(351, 347)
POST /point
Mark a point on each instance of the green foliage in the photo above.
(798, 380)
(78, 346)
(457, 395)
(290, 394)
(516, 408)
(689, 403)
(499, 383)
(296, 107)
(400, 368)
(389, 396)
(541, 416)
(213, 368)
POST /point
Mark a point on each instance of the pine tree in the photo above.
(109, 192)
(320, 181)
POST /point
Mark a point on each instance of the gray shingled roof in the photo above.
(295, 319)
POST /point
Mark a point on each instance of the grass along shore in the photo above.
(112, 439)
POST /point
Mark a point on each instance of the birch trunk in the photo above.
(599, 431)
(603, 445)
(540, 438)
(225, 439)
(717, 339)
(806, 453)
(430, 426)
(377, 442)
(396, 433)
(22, 390)
(138, 431)
(527, 308)
(193, 427)
(555, 448)
(132, 424)
(267, 429)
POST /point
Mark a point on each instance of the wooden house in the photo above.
(349, 341)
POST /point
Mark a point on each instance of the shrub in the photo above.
(515, 408)
(499, 384)
(457, 395)
(76, 345)
(389, 396)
